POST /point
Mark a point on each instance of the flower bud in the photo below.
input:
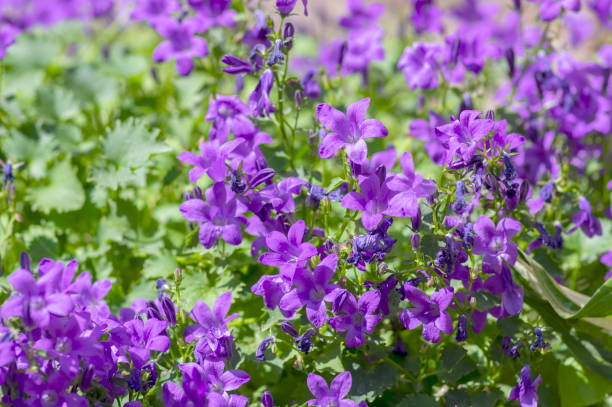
(197, 193)
(415, 241)
(416, 220)
(342, 53)
(490, 115)
(288, 34)
(153, 311)
(286, 327)
(339, 301)
(260, 353)
(299, 98)
(462, 325)
(168, 309)
(266, 399)
(523, 191)
(511, 63)
(262, 176)
(277, 56)
(517, 5)
(236, 66)
(24, 261)
(178, 276)
(455, 48)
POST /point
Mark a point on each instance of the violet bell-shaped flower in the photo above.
(349, 130)
(333, 395)
(289, 252)
(372, 201)
(420, 64)
(181, 43)
(358, 317)
(429, 312)
(154, 10)
(236, 66)
(463, 137)
(586, 220)
(218, 216)
(494, 241)
(285, 7)
(511, 293)
(313, 290)
(259, 99)
(410, 186)
(526, 389)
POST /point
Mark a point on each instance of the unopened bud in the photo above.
(24, 261)
(299, 98)
(415, 241)
(266, 399)
(178, 276)
(382, 268)
(473, 302)
(490, 114)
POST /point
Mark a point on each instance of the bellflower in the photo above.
(373, 201)
(211, 160)
(285, 7)
(494, 242)
(211, 13)
(218, 216)
(363, 47)
(229, 113)
(526, 389)
(463, 137)
(586, 220)
(154, 10)
(313, 290)
(373, 246)
(420, 64)
(607, 260)
(429, 312)
(236, 66)
(7, 38)
(330, 395)
(349, 130)
(361, 15)
(358, 317)
(145, 337)
(259, 100)
(427, 17)
(272, 289)
(511, 293)
(410, 187)
(288, 252)
(182, 44)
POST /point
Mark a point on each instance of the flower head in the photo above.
(358, 317)
(181, 44)
(429, 312)
(330, 396)
(526, 389)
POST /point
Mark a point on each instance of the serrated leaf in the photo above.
(160, 265)
(56, 103)
(131, 144)
(35, 153)
(64, 193)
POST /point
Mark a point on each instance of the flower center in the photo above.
(49, 398)
(317, 294)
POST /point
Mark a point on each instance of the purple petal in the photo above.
(341, 384)
(317, 385)
(357, 152)
(354, 201)
(233, 379)
(330, 145)
(209, 234)
(431, 333)
(373, 128)
(369, 301)
(356, 112)
(317, 315)
(370, 221)
(296, 232)
(232, 234)
(334, 120)
(194, 210)
(445, 323)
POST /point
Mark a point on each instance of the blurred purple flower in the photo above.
(526, 389)
(182, 44)
(586, 220)
(420, 64)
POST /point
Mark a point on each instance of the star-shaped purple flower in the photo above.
(494, 242)
(526, 389)
(182, 44)
(330, 395)
(358, 318)
(431, 313)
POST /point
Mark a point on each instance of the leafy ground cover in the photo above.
(203, 205)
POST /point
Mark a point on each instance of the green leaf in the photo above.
(579, 386)
(56, 103)
(421, 400)
(131, 144)
(160, 265)
(485, 300)
(64, 193)
(34, 152)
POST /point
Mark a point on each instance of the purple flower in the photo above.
(348, 130)
(229, 113)
(330, 395)
(266, 399)
(260, 353)
(236, 66)
(285, 7)
(259, 100)
(526, 389)
(145, 337)
(7, 38)
(464, 136)
(431, 313)
(310, 85)
(420, 64)
(313, 290)
(373, 246)
(272, 289)
(218, 216)
(213, 13)
(494, 242)
(550, 9)
(360, 15)
(154, 10)
(210, 330)
(212, 158)
(363, 47)
(410, 187)
(606, 259)
(288, 252)
(358, 318)
(585, 220)
(511, 293)
(182, 44)
(373, 201)
(427, 17)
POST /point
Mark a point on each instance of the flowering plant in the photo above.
(418, 216)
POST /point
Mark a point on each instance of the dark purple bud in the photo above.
(539, 343)
(517, 5)
(236, 65)
(547, 192)
(304, 342)
(416, 220)
(86, 377)
(299, 98)
(260, 353)
(466, 103)
(415, 241)
(135, 380)
(277, 56)
(399, 348)
(236, 184)
(509, 350)
(161, 284)
(511, 63)
(459, 205)
(168, 309)
(523, 191)
(342, 53)
(509, 171)
(266, 399)
(224, 349)
(288, 34)
(462, 324)
(153, 311)
(24, 261)
(454, 50)
(286, 327)
(339, 301)
(262, 176)
(381, 173)
(558, 237)
(490, 115)
(187, 196)
(197, 193)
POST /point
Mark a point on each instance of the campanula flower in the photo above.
(511, 293)
(494, 241)
(236, 66)
(229, 113)
(218, 216)
(145, 337)
(285, 7)
(429, 312)
(463, 137)
(154, 10)
(526, 389)
(313, 291)
(349, 130)
(363, 47)
(361, 15)
(420, 64)
(586, 220)
(410, 186)
(373, 246)
(358, 317)
(333, 395)
(211, 13)
(181, 44)
(259, 99)
(289, 252)
(372, 201)
(272, 289)
(8, 33)
(266, 399)
(511, 350)
(427, 17)
(260, 353)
